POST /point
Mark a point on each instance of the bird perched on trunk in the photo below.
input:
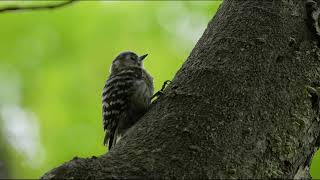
(126, 95)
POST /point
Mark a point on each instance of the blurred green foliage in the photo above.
(53, 65)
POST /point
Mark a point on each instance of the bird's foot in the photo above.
(160, 92)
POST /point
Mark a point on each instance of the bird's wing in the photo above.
(115, 100)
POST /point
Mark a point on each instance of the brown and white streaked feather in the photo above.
(116, 100)
(126, 95)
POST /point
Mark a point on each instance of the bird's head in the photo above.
(127, 59)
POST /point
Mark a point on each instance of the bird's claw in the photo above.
(160, 92)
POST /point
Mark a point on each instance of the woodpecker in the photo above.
(126, 95)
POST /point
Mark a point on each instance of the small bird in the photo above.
(126, 95)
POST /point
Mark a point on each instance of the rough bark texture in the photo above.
(237, 108)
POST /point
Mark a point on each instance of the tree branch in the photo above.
(51, 6)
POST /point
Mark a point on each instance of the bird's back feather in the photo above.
(115, 99)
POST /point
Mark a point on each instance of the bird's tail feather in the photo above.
(106, 138)
(111, 141)
(111, 137)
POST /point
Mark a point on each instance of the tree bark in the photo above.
(237, 108)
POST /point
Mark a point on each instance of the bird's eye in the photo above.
(133, 58)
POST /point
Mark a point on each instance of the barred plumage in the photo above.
(126, 95)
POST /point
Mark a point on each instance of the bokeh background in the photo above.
(53, 65)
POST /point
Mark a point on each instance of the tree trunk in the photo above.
(237, 108)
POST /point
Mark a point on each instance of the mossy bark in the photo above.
(237, 108)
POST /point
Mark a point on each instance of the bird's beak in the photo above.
(142, 57)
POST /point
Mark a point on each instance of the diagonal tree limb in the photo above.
(40, 7)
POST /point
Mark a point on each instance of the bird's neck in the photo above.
(117, 69)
